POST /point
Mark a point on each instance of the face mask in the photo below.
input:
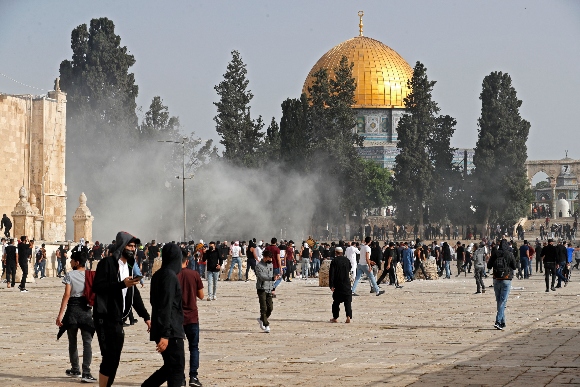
(211, 248)
(128, 254)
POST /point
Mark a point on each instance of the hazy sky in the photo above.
(182, 49)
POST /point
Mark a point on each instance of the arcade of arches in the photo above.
(562, 194)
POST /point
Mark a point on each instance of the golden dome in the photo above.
(380, 73)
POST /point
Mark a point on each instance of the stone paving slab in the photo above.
(435, 333)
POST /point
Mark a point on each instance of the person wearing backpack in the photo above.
(480, 258)
(503, 263)
(77, 316)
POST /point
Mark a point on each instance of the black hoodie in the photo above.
(108, 287)
(166, 304)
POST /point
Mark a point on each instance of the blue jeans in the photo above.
(201, 269)
(447, 269)
(238, 261)
(364, 269)
(305, 267)
(559, 274)
(315, 265)
(279, 280)
(524, 264)
(58, 266)
(192, 334)
(502, 290)
(42, 266)
(212, 280)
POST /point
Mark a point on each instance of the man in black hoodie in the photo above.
(115, 295)
(167, 320)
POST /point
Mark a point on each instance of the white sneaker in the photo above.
(213, 298)
(261, 323)
(267, 329)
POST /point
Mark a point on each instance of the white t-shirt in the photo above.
(364, 249)
(123, 273)
(236, 251)
(351, 252)
(258, 253)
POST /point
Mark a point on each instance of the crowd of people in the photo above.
(102, 301)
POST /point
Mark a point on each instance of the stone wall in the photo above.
(33, 133)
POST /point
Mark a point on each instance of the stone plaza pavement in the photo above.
(430, 333)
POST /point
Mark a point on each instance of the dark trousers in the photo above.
(192, 334)
(538, 264)
(289, 270)
(111, 338)
(550, 269)
(7, 232)
(251, 263)
(266, 306)
(419, 265)
(339, 299)
(73, 351)
(10, 272)
(173, 366)
(24, 266)
(479, 273)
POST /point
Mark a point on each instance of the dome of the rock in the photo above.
(380, 73)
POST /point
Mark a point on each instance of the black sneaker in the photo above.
(194, 382)
(354, 294)
(498, 326)
(88, 378)
(73, 373)
(380, 292)
(22, 290)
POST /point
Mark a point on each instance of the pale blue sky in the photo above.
(182, 49)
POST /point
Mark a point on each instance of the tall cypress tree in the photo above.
(240, 134)
(100, 91)
(272, 142)
(295, 137)
(414, 168)
(501, 191)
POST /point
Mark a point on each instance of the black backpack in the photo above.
(501, 268)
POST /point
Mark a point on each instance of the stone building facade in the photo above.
(33, 145)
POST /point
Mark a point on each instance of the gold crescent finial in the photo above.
(360, 24)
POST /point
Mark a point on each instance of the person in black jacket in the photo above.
(502, 282)
(167, 320)
(214, 263)
(339, 283)
(550, 258)
(115, 295)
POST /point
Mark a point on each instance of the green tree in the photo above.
(501, 191)
(295, 136)
(542, 184)
(445, 176)
(414, 167)
(272, 142)
(100, 90)
(240, 134)
(331, 121)
(158, 124)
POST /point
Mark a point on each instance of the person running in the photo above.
(6, 224)
(77, 317)
(339, 283)
(363, 268)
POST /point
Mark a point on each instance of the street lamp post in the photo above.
(183, 178)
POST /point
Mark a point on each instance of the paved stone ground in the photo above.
(434, 333)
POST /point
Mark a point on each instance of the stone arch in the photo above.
(552, 168)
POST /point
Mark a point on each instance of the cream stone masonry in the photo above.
(83, 220)
(33, 145)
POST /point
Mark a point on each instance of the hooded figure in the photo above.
(167, 319)
(115, 295)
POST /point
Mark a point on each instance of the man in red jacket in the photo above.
(191, 287)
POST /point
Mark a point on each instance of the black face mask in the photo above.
(210, 248)
(128, 254)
